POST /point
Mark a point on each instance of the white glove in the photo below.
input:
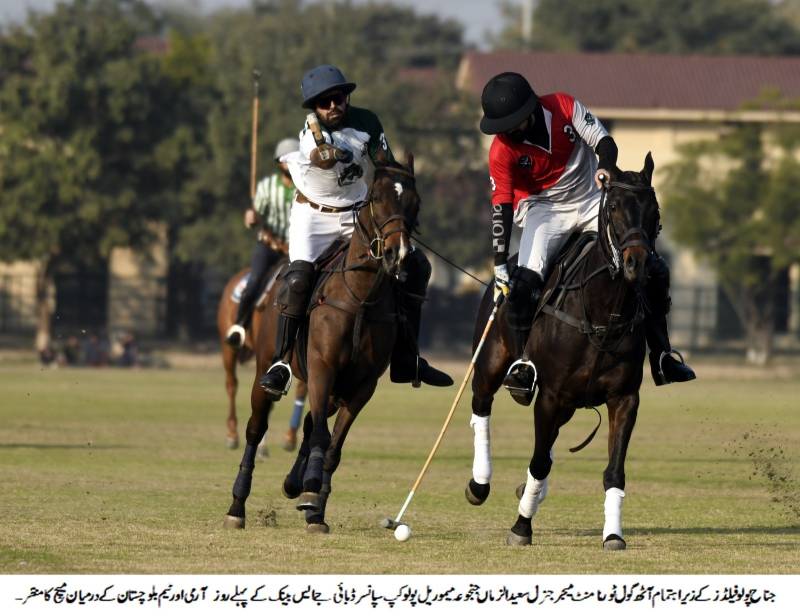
(501, 280)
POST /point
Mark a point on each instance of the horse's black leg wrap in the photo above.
(243, 483)
(312, 479)
(318, 517)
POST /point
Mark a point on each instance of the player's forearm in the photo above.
(502, 220)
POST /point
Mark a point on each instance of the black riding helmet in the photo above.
(322, 79)
(507, 100)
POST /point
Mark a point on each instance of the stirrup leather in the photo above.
(289, 382)
(515, 367)
(661, 362)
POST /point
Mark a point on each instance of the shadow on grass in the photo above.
(59, 446)
(699, 530)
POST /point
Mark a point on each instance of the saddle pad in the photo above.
(236, 294)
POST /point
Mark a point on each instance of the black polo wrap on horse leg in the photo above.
(310, 498)
(664, 367)
(523, 298)
(407, 366)
(293, 302)
(293, 483)
(317, 518)
(244, 481)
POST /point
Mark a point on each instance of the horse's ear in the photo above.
(410, 162)
(647, 171)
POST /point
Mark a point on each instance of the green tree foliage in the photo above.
(735, 202)
(92, 153)
(660, 26)
(376, 46)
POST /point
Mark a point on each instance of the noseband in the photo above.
(616, 245)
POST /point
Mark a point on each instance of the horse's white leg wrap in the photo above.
(613, 511)
(529, 503)
(482, 460)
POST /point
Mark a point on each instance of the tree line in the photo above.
(118, 119)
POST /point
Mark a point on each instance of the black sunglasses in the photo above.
(324, 102)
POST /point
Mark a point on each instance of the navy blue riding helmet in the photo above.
(322, 79)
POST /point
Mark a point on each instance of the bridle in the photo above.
(376, 244)
(613, 245)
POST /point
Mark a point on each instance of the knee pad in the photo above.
(526, 289)
(299, 279)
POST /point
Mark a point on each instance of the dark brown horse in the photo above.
(226, 316)
(587, 344)
(351, 332)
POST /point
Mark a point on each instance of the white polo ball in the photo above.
(402, 532)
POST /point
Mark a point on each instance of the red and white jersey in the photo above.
(564, 173)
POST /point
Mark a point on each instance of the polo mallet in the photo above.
(254, 135)
(393, 523)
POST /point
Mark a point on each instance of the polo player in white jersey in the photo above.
(333, 172)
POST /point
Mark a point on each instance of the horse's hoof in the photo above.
(477, 493)
(232, 442)
(308, 501)
(289, 490)
(318, 529)
(233, 522)
(515, 539)
(614, 542)
(262, 452)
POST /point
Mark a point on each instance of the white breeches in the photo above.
(312, 231)
(482, 460)
(546, 226)
(613, 512)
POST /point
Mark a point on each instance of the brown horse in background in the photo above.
(226, 316)
(351, 332)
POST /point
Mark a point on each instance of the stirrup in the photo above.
(661, 362)
(287, 387)
(522, 395)
(235, 329)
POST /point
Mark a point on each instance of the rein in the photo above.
(371, 235)
(612, 245)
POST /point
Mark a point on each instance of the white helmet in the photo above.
(286, 146)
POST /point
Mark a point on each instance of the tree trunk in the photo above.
(758, 303)
(45, 302)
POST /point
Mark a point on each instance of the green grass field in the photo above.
(110, 471)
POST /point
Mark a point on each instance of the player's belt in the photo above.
(301, 198)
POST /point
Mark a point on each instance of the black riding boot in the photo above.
(277, 378)
(526, 289)
(664, 366)
(407, 366)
